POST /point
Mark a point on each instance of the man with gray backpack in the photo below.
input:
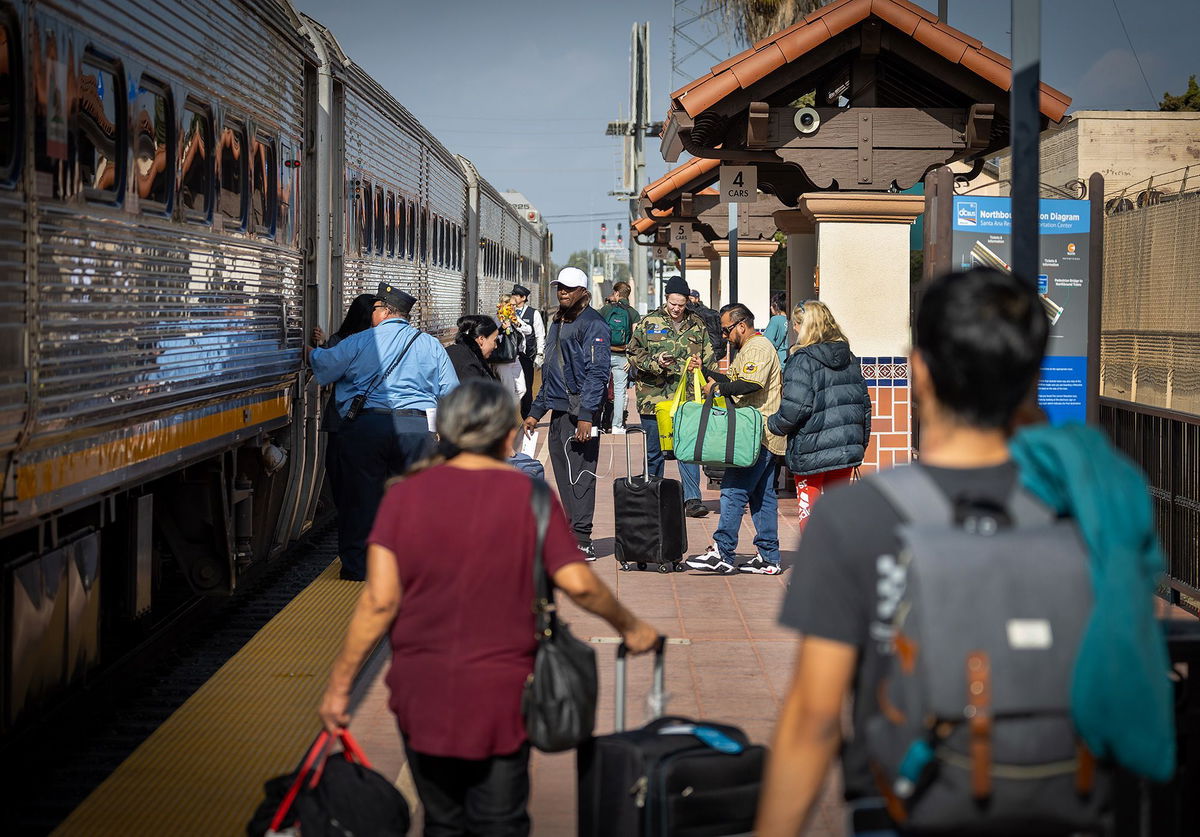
(989, 610)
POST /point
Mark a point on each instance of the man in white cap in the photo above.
(574, 383)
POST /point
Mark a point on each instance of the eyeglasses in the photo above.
(726, 329)
(377, 306)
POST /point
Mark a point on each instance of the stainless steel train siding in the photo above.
(150, 302)
(405, 205)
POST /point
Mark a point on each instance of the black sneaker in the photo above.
(589, 552)
(759, 566)
(694, 508)
(710, 560)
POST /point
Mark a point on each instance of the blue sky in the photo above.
(525, 88)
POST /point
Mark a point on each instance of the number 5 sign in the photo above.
(739, 184)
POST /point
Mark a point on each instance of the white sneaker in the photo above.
(618, 431)
(710, 560)
(760, 566)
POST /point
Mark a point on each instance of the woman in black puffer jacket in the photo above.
(826, 411)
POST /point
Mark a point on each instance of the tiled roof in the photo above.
(680, 177)
(745, 69)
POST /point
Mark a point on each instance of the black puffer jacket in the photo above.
(826, 411)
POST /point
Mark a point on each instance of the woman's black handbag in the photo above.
(508, 348)
(331, 796)
(559, 703)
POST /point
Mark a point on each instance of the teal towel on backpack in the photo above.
(1121, 696)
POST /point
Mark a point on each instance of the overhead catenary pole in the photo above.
(1026, 122)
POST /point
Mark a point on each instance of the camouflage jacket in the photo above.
(653, 335)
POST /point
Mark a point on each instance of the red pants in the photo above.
(810, 486)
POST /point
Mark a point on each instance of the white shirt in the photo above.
(539, 334)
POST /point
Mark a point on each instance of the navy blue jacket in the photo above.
(825, 411)
(579, 366)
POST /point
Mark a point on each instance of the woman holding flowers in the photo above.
(514, 331)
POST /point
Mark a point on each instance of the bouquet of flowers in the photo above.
(506, 313)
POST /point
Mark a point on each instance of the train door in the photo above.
(16, 279)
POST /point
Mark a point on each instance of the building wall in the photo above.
(1127, 147)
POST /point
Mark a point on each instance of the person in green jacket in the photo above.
(668, 343)
(777, 329)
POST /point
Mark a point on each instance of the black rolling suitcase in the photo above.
(650, 526)
(664, 781)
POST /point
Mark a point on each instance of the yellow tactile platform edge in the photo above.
(203, 770)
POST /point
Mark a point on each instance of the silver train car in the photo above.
(186, 190)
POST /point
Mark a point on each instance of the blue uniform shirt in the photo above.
(353, 365)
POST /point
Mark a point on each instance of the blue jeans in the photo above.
(620, 376)
(754, 485)
(689, 474)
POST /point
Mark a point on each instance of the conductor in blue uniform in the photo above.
(385, 380)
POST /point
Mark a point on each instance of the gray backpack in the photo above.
(974, 731)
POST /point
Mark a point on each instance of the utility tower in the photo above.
(634, 131)
(696, 40)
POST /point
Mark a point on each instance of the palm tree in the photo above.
(747, 22)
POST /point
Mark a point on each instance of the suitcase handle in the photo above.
(629, 431)
(659, 678)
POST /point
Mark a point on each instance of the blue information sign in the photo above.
(982, 235)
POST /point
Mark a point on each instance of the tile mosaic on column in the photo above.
(891, 439)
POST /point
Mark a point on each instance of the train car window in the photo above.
(231, 162)
(263, 188)
(289, 188)
(441, 242)
(424, 234)
(195, 154)
(412, 230)
(10, 98)
(366, 218)
(391, 224)
(380, 221)
(100, 133)
(401, 228)
(153, 134)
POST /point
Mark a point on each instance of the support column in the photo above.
(801, 254)
(862, 249)
(754, 276)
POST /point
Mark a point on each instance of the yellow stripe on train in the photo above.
(164, 437)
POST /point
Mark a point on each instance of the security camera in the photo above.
(807, 120)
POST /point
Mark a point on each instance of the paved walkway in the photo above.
(732, 664)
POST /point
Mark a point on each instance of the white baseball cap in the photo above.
(571, 277)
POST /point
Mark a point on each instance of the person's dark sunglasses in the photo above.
(726, 329)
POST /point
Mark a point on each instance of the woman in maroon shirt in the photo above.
(455, 542)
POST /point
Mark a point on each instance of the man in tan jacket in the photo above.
(755, 380)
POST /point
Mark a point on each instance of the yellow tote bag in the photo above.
(664, 411)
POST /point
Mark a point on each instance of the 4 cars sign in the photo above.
(739, 184)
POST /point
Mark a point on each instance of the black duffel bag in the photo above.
(331, 797)
(508, 347)
(559, 702)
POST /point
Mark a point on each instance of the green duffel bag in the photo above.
(706, 434)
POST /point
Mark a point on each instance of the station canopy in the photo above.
(861, 95)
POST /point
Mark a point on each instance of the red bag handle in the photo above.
(314, 763)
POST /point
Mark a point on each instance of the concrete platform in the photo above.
(734, 665)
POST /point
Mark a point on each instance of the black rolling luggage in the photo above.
(650, 526)
(663, 780)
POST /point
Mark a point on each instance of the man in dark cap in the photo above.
(387, 382)
(534, 350)
(666, 345)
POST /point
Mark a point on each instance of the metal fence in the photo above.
(1150, 333)
(1166, 444)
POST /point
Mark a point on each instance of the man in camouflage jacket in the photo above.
(666, 344)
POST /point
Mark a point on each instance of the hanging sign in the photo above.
(739, 184)
(681, 233)
(661, 251)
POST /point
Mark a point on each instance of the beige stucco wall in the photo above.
(864, 281)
